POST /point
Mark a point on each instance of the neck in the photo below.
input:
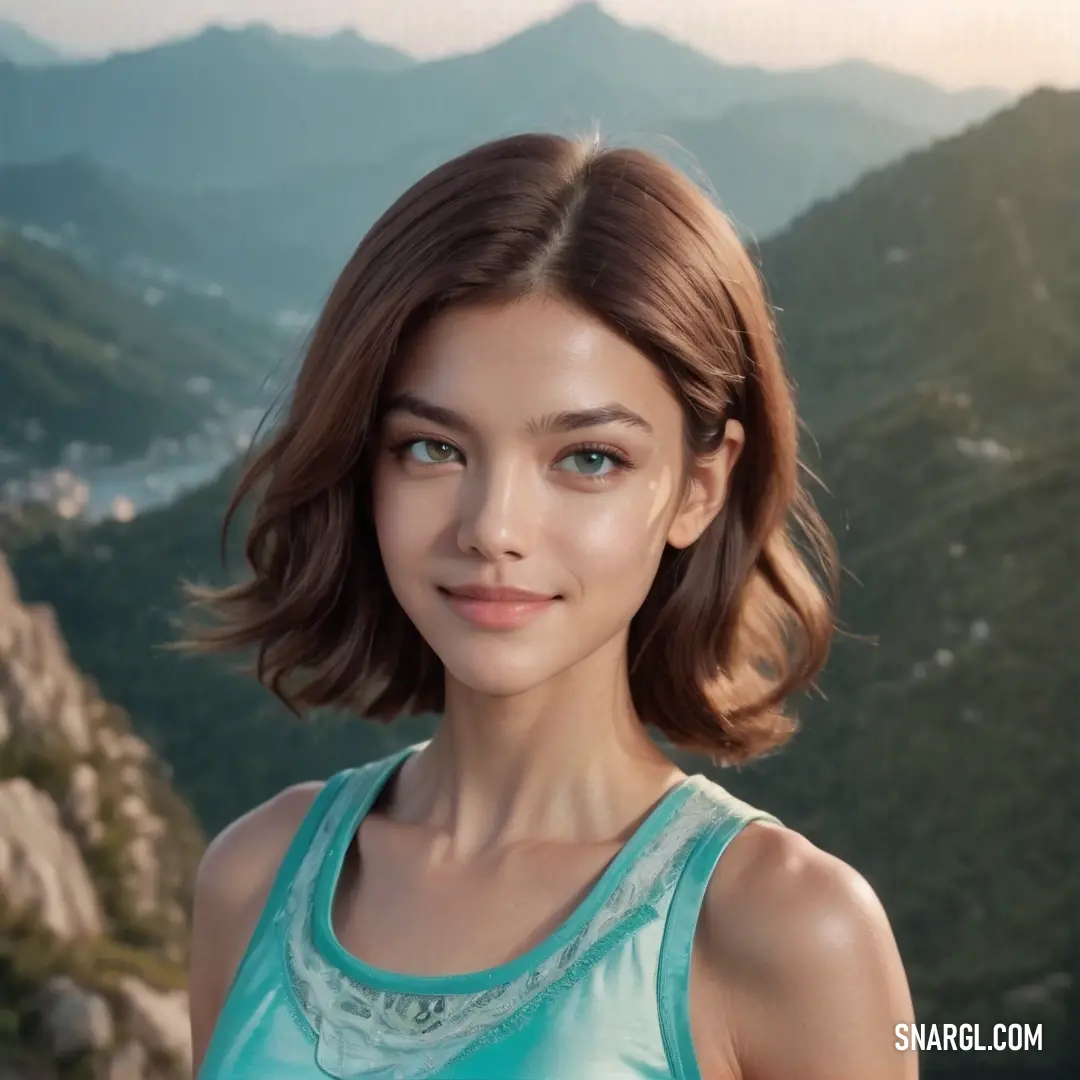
(569, 761)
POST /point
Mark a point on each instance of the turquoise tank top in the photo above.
(606, 997)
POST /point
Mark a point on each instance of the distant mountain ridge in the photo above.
(214, 111)
(343, 49)
(767, 161)
(18, 46)
(245, 178)
(771, 160)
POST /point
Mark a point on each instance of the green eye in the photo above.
(589, 462)
(431, 452)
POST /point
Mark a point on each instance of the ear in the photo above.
(707, 488)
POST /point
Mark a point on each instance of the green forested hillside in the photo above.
(958, 262)
(932, 319)
(88, 362)
(136, 235)
(945, 386)
(943, 761)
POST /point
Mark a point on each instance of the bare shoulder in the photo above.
(775, 885)
(245, 855)
(233, 883)
(796, 949)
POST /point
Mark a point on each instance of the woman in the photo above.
(537, 476)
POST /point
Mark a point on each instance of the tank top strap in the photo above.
(721, 817)
(310, 844)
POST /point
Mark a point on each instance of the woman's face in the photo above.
(527, 447)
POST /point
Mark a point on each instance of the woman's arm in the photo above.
(231, 888)
(796, 972)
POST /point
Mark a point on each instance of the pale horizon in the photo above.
(1014, 44)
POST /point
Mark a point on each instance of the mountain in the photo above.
(96, 882)
(82, 361)
(326, 210)
(768, 160)
(932, 316)
(906, 98)
(969, 215)
(90, 577)
(225, 109)
(138, 236)
(344, 49)
(595, 65)
(943, 761)
(932, 319)
(222, 107)
(17, 46)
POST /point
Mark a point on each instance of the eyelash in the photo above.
(619, 459)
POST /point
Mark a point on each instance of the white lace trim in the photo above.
(360, 1031)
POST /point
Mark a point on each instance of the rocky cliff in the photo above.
(97, 858)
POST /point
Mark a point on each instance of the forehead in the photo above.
(528, 356)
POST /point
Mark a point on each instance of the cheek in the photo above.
(617, 538)
(400, 523)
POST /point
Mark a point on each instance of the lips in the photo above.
(496, 593)
(496, 607)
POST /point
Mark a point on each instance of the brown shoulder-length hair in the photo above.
(732, 626)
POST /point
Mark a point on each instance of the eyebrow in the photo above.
(568, 420)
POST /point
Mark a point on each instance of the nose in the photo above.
(499, 512)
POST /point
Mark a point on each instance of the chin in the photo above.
(500, 668)
(500, 664)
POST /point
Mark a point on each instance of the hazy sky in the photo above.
(1013, 43)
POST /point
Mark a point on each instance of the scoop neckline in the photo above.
(328, 879)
